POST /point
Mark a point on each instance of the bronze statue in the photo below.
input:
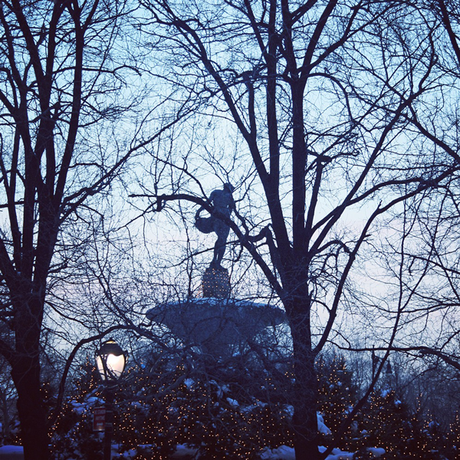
(222, 201)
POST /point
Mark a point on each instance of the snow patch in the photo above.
(281, 453)
(322, 428)
(11, 450)
(189, 383)
(233, 402)
(377, 451)
(287, 453)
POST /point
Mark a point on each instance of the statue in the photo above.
(222, 200)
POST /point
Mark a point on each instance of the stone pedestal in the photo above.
(216, 283)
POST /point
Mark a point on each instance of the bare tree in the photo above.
(319, 93)
(62, 93)
(419, 253)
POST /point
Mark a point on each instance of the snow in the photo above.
(189, 383)
(94, 400)
(377, 451)
(287, 453)
(213, 301)
(280, 453)
(322, 428)
(233, 402)
(11, 450)
(78, 408)
(184, 451)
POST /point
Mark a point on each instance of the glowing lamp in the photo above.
(110, 361)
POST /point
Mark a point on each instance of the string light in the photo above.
(216, 411)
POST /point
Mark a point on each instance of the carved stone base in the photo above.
(216, 283)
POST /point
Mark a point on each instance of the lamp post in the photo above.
(110, 362)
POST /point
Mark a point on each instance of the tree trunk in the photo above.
(306, 384)
(26, 376)
(6, 415)
(25, 370)
(305, 401)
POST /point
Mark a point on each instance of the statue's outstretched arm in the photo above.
(197, 214)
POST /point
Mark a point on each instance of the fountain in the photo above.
(216, 322)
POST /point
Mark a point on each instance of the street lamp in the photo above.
(110, 362)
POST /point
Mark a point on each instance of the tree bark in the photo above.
(305, 397)
(305, 387)
(25, 369)
(34, 433)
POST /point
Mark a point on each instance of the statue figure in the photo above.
(222, 200)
